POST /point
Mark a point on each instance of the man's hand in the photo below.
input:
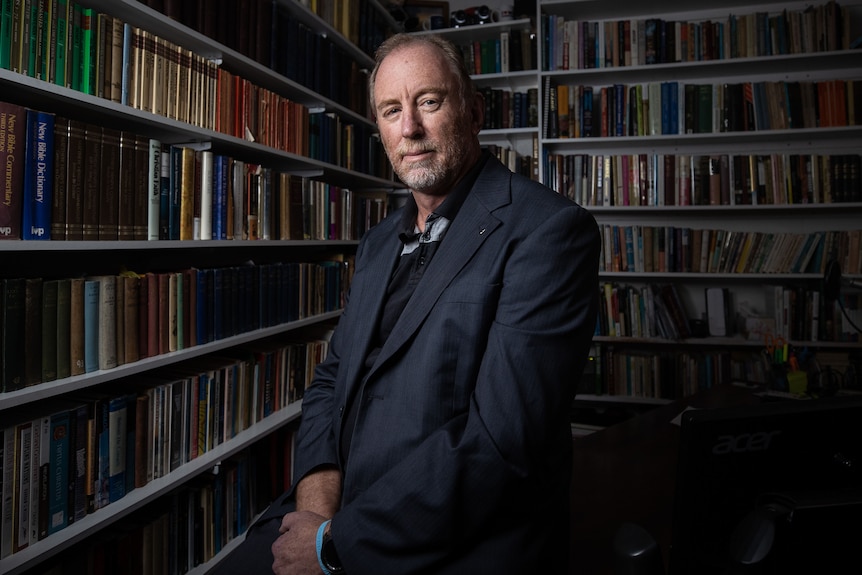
(295, 551)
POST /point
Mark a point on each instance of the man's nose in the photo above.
(411, 123)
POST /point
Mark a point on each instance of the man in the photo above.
(435, 437)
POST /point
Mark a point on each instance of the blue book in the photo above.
(38, 176)
(218, 200)
(91, 325)
(58, 471)
(117, 417)
(127, 59)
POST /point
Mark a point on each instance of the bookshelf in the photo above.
(342, 173)
(631, 191)
(503, 57)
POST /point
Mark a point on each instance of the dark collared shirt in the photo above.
(418, 247)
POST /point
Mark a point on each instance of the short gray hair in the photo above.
(451, 53)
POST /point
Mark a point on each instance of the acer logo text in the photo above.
(744, 443)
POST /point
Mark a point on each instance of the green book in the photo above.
(73, 78)
(5, 33)
(30, 49)
(15, 35)
(61, 43)
(88, 37)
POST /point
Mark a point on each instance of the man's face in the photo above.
(424, 131)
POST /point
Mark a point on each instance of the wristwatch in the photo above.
(329, 557)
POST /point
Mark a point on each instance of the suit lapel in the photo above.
(367, 299)
(473, 225)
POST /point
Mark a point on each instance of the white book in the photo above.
(154, 176)
(206, 218)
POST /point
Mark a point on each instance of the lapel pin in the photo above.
(482, 231)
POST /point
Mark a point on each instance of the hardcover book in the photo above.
(64, 316)
(61, 180)
(13, 130)
(91, 324)
(12, 337)
(50, 289)
(38, 176)
(32, 331)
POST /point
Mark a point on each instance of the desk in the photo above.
(626, 472)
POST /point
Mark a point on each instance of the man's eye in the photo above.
(391, 111)
(430, 103)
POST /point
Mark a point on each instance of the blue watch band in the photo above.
(319, 545)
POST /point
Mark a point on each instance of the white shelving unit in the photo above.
(59, 257)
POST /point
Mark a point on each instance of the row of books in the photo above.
(57, 328)
(191, 525)
(672, 107)
(657, 311)
(582, 44)
(804, 314)
(705, 179)
(101, 55)
(505, 109)
(674, 249)
(525, 165)
(512, 51)
(88, 450)
(71, 180)
(265, 31)
(670, 375)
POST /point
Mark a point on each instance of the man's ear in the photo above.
(478, 112)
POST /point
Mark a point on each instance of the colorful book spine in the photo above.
(91, 325)
(60, 466)
(13, 130)
(5, 33)
(38, 176)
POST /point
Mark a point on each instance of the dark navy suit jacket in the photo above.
(460, 455)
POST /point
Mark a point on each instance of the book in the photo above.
(107, 321)
(206, 195)
(13, 132)
(61, 171)
(21, 489)
(154, 179)
(39, 478)
(130, 327)
(109, 186)
(64, 317)
(91, 178)
(38, 176)
(127, 205)
(77, 336)
(117, 440)
(91, 324)
(32, 331)
(12, 337)
(141, 188)
(75, 165)
(60, 467)
(50, 290)
(184, 177)
(7, 496)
